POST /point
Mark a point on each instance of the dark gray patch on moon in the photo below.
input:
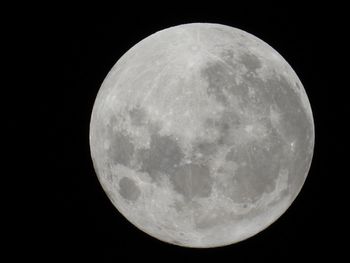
(223, 125)
(231, 117)
(205, 148)
(261, 169)
(218, 79)
(121, 148)
(192, 180)
(250, 61)
(162, 156)
(262, 99)
(293, 125)
(228, 57)
(295, 121)
(128, 189)
(221, 79)
(137, 116)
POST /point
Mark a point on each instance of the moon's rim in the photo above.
(247, 236)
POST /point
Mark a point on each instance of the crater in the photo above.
(192, 180)
(128, 189)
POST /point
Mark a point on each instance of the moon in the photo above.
(202, 135)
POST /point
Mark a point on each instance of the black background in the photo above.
(77, 220)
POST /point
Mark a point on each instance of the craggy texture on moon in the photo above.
(202, 135)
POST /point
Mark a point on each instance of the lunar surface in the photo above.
(202, 135)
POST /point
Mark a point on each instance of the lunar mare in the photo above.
(202, 135)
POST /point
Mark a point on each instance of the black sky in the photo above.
(78, 219)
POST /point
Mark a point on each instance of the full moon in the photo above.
(202, 135)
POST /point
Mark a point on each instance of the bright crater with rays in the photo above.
(202, 135)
